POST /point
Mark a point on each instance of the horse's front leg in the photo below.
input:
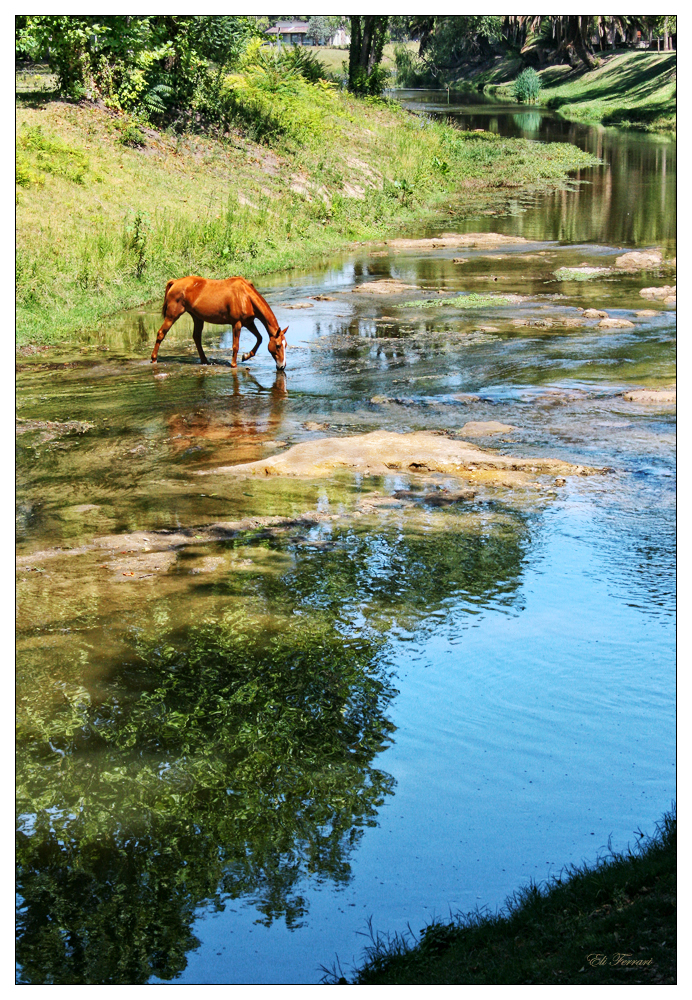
(250, 324)
(236, 343)
(163, 330)
(197, 337)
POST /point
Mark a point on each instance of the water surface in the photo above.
(236, 750)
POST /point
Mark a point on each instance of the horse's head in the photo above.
(277, 348)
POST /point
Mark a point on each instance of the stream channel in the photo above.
(258, 712)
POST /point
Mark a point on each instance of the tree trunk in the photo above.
(665, 34)
(365, 51)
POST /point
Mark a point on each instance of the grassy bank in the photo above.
(109, 210)
(635, 89)
(608, 924)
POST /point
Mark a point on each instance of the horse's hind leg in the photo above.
(250, 324)
(197, 337)
(173, 312)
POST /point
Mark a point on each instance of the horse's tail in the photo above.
(165, 297)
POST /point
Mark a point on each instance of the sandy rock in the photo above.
(323, 298)
(297, 305)
(639, 260)
(479, 428)
(380, 452)
(379, 253)
(385, 286)
(643, 313)
(595, 314)
(650, 396)
(460, 260)
(670, 300)
(658, 293)
(614, 324)
(458, 240)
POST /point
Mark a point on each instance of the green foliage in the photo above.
(411, 71)
(527, 85)
(153, 64)
(447, 40)
(131, 135)
(38, 154)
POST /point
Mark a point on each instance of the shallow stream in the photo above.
(258, 712)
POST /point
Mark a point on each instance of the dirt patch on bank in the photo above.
(382, 452)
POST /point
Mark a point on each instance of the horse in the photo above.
(232, 301)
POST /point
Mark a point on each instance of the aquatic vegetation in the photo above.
(580, 273)
(527, 85)
(469, 300)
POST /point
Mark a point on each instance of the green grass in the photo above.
(623, 906)
(103, 223)
(631, 89)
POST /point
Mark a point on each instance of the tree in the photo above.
(368, 35)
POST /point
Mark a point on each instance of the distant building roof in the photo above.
(289, 28)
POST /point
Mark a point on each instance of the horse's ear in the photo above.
(283, 332)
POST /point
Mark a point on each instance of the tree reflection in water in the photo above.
(232, 761)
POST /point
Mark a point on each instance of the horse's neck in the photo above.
(263, 312)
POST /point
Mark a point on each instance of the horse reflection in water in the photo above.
(240, 428)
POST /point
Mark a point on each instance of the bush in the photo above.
(527, 85)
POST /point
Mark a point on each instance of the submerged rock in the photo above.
(381, 452)
(639, 260)
(658, 293)
(650, 395)
(458, 240)
(479, 428)
(595, 314)
(384, 286)
(615, 324)
(643, 313)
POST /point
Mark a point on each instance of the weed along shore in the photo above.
(102, 224)
(609, 923)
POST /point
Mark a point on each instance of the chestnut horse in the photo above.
(233, 301)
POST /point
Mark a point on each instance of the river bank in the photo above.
(102, 224)
(611, 923)
(629, 89)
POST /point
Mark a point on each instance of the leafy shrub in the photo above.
(527, 85)
(411, 71)
(131, 135)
